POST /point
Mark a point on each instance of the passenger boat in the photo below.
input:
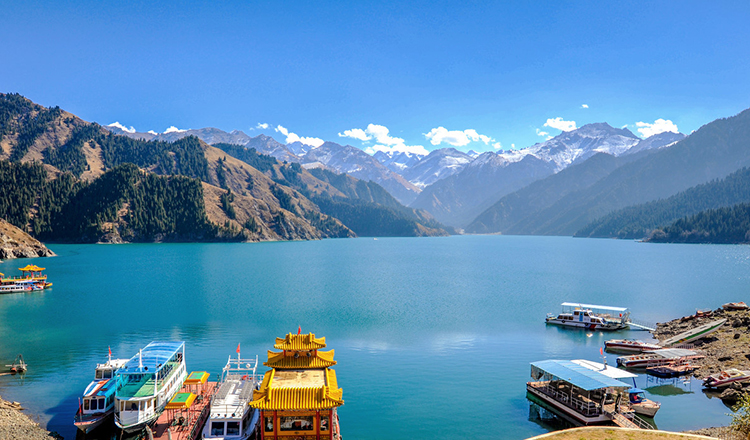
(726, 378)
(147, 382)
(629, 346)
(98, 401)
(735, 306)
(656, 358)
(591, 317)
(15, 288)
(231, 417)
(640, 404)
(578, 393)
(694, 334)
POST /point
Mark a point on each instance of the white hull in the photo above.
(586, 325)
(89, 425)
(645, 409)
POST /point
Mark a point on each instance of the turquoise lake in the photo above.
(433, 336)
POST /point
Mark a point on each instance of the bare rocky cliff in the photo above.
(15, 243)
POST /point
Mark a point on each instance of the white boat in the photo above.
(15, 288)
(147, 382)
(694, 334)
(98, 401)
(726, 378)
(590, 317)
(641, 405)
(629, 346)
(231, 418)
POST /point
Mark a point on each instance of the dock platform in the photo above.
(186, 423)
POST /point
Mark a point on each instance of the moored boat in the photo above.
(735, 306)
(655, 358)
(629, 346)
(694, 334)
(681, 367)
(640, 404)
(98, 401)
(726, 378)
(15, 288)
(590, 317)
(231, 417)
(147, 382)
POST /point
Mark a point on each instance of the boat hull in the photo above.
(625, 347)
(88, 422)
(585, 325)
(568, 412)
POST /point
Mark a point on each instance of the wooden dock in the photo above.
(186, 424)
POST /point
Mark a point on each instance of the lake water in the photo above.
(433, 336)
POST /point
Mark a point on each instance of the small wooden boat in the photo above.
(641, 405)
(726, 378)
(629, 346)
(735, 306)
(657, 358)
(694, 334)
(704, 313)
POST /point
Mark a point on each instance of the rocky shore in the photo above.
(16, 425)
(728, 347)
(14, 243)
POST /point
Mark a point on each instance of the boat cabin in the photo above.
(231, 416)
(577, 393)
(618, 314)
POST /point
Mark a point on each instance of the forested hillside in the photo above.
(639, 221)
(59, 158)
(730, 225)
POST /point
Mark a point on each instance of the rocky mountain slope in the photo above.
(15, 243)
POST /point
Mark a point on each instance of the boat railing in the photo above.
(585, 407)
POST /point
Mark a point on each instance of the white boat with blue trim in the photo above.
(98, 401)
(147, 382)
(591, 317)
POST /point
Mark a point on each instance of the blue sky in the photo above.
(318, 69)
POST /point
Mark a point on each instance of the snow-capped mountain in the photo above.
(398, 161)
(437, 165)
(660, 140)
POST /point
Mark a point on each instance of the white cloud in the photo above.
(122, 127)
(293, 137)
(543, 134)
(173, 129)
(659, 126)
(356, 133)
(584, 106)
(262, 126)
(152, 132)
(383, 140)
(497, 146)
(457, 138)
(560, 124)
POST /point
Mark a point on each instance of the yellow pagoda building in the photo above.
(299, 395)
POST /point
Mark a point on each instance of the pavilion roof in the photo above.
(320, 359)
(31, 268)
(300, 342)
(315, 395)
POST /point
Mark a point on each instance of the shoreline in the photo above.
(14, 424)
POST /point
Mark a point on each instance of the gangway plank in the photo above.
(640, 326)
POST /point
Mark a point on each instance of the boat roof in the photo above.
(154, 356)
(635, 390)
(614, 373)
(593, 306)
(674, 352)
(575, 374)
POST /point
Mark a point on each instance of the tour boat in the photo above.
(629, 346)
(735, 306)
(641, 405)
(590, 317)
(231, 417)
(726, 378)
(147, 382)
(657, 357)
(577, 392)
(694, 334)
(15, 288)
(98, 401)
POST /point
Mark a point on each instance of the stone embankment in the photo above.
(728, 347)
(14, 243)
(16, 425)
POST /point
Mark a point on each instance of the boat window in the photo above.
(296, 423)
(233, 428)
(98, 374)
(85, 404)
(107, 374)
(134, 406)
(217, 428)
(269, 424)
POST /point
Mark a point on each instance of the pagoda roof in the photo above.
(299, 342)
(294, 390)
(31, 268)
(321, 359)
